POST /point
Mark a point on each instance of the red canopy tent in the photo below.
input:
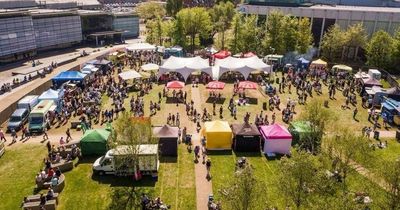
(215, 85)
(222, 54)
(176, 84)
(247, 85)
(248, 55)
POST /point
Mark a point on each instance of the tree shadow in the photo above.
(168, 159)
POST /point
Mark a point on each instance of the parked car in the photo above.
(18, 119)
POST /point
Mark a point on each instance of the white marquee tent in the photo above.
(185, 66)
(140, 46)
(126, 75)
(89, 68)
(243, 65)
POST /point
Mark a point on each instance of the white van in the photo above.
(111, 162)
(28, 102)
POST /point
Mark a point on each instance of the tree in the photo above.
(273, 36)
(154, 31)
(150, 10)
(304, 35)
(178, 33)
(332, 43)
(196, 22)
(355, 38)
(221, 16)
(344, 148)
(173, 7)
(318, 116)
(297, 177)
(391, 174)
(289, 33)
(237, 34)
(250, 34)
(380, 50)
(244, 190)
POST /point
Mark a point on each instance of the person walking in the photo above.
(45, 136)
(68, 133)
(355, 113)
(208, 167)
(14, 135)
(2, 136)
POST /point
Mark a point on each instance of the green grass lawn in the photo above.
(18, 167)
(266, 171)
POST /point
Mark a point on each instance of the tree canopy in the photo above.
(381, 50)
(150, 10)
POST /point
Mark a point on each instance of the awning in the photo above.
(131, 74)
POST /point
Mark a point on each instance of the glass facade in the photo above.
(16, 35)
(51, 31)
(130, 25)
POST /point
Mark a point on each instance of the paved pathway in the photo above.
(203, 187)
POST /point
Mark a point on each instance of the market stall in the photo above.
(299, 130)
(277, 139)
(318, 64)
(185, 66)
(222, 54)
(65, 76)
(302, 63)
(167, 139)
(246, 138)
(245, 66)
(94, 142)
(218, 135)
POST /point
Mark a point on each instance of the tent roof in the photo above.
(166, 131)
(301, 126)
(342, 67)
(185, 66)
(96, 135)
(242, 65)
(245, 129)
(90, 67)
(150, 67)
(217, 126)
(303, 60)
(141, 46)
(131, 74)
(222, 54)
(372, 81)
(69, 75)
(275, 131)
(319, 62)
(50, 94)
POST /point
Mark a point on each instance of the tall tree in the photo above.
(297, 177)
(154, 31)
(250, 34)
(150, 10)
(196, 22)
(380, 50)
(355, 38)
(174, 6)
(332, 43)
(318, 116)
(273, 36)
(221, 16)
(243, 192)
(237, 29)
(289, 33)
(344, 148)
(178, 33)
(304, 35)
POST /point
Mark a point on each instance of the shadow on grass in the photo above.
(86, 160)
(169, 159)
(276, 157)
(248, 154)
(219, 152)
(210, 100)
(128, 181)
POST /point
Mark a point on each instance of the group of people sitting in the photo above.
(150, 204)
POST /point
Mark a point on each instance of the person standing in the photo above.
(45, 136)
(208, 167)
(14, 135)
(2, 136)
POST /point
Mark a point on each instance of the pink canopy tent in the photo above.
(277, 139)
(222, 54)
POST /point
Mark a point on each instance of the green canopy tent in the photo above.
(299, 129)
(94, 142)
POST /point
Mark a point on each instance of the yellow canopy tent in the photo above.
(342, 68)
(218, 135)
(318, 63)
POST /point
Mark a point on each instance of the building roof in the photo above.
(356, 8)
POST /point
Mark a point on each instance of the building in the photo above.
(323, 16)
(24, 32)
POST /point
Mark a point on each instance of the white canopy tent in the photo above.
(150, 67)
(88, 69)
(185, 66)
(243, 65)
(140, 46)
(126, 75)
